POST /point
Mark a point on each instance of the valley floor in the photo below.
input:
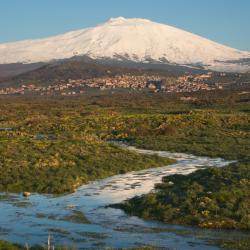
(53, 145)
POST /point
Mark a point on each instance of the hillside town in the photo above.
(153, 83)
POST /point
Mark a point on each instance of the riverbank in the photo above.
(43, 215)
(217, 198)
(61, 167)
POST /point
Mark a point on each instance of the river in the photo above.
(31, 220)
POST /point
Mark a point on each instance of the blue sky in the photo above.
(224, 21)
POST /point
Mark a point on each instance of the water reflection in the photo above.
(82, 219)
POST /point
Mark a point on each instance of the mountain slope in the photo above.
(134, 39)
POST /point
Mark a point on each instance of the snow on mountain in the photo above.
(135, 39)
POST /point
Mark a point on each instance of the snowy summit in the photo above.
(134, 39)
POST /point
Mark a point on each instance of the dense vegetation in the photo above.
(215, 124)
(8, 246)
(241, 244)
(62, 165)
(55, 145)
(52, 148)
(211, 198)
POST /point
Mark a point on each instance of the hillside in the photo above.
(79, 68)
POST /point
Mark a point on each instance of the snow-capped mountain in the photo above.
(138, 40)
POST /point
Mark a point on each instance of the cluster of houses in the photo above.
(75, 87)
(192, 83)
(187, 83)
(188, 87)
(126, 81)
(61, 88)
(195, 78)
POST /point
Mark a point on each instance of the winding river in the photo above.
(31, 220)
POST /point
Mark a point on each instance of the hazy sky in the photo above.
(224, 21)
